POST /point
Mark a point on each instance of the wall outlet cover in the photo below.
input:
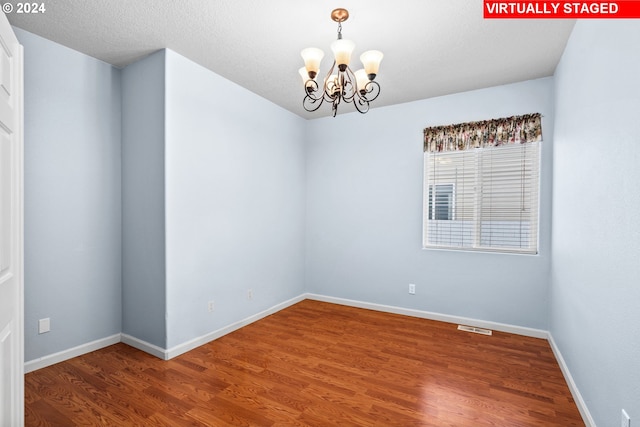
(44, 325)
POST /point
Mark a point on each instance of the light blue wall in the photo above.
(364, 212)
(595, 292)
(96, 244)
(72, 197)
(235, 183)
(143, 200)
(252, 196)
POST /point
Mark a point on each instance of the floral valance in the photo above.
(487, 133)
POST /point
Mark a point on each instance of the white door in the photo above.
(11, 235)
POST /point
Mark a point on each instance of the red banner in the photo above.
(622, 9)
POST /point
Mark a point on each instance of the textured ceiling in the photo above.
(431, 47)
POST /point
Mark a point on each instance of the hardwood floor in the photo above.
(314, 364)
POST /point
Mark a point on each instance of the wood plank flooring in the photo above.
(314, 364)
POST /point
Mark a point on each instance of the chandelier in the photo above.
(358, 88)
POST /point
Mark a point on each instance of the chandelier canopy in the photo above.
(340, 83)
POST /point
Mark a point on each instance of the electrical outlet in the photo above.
(44, 325)
(250, 294)
(211, 306)
(626, 420)
(412, 288)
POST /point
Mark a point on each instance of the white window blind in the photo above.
(483, 199)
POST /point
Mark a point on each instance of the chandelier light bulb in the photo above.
(312, 57)
(306, 81)
(342, 50)
(371, 61)
(361, 79)
(303, 73)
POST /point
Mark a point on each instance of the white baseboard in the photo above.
(197, 342)
(61, 356)
(153, 349)
(577, 397)
(179, 349)
(147, 347)
(502, 327)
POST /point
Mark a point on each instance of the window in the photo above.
(483, 198)
(441, 204)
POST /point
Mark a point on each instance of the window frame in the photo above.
(476, 246)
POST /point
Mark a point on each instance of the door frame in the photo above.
(16, 263)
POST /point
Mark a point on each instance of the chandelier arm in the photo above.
(311, 89)
(372, 90)
(328, 95)
(333, 66)
(361, 104)
(309, 103)
(350, 89)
